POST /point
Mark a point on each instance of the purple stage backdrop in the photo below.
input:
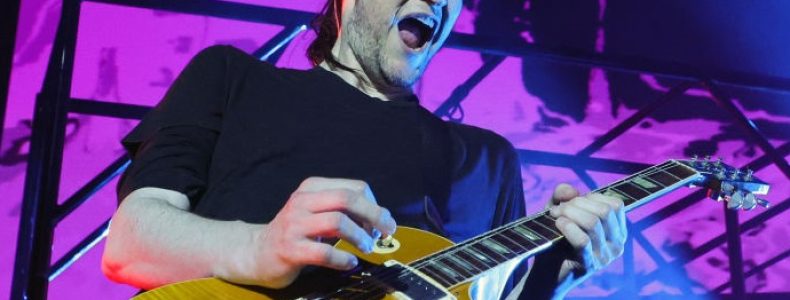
(132, 55)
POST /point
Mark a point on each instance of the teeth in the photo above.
(427, 21)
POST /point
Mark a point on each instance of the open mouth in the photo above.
(417, 30)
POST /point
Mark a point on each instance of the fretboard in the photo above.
(530, 235)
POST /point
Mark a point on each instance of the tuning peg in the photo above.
(749, 201)
(706, 161)
(748, 176)
(735, 174)
(762, 202)
(736, 201)
(694, 160)
(721, 175)
(727, 188)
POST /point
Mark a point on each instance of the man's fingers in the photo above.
(573, 233)
(337, 224)
(358, 204)
(614, 221)
(562, 193)
(574, 211)
(320, 254)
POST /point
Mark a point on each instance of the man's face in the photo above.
(394, 40)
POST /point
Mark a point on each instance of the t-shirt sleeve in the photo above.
(172, 146)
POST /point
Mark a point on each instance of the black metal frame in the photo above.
(9, 17)
(41, 213)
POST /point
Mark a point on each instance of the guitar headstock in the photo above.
(726, 183)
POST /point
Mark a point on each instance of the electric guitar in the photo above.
(415, 264)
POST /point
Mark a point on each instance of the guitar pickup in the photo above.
(408, 283)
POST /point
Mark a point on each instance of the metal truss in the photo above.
(41, 213)
(9, 16)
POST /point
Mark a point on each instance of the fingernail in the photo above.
(353, 262)
(376, 234)
(366, 247)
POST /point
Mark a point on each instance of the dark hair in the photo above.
(326, 25)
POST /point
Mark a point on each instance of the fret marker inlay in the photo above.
(527, 233)
(644, 183)
(613, 193)
(478, 255)
(494, 245)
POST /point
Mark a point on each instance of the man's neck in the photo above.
(362, 80)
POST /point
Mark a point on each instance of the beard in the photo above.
(368, 32)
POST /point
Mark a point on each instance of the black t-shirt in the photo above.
(237, 136)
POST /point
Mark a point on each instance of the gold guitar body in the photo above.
(413, 244)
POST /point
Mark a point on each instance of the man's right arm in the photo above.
(154, 240)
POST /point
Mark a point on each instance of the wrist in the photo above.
(236, 258)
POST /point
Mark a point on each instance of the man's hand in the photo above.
(319, 208)
(595, 227)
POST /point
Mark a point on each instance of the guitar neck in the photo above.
(528, 236)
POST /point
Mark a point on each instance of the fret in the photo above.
(613, 193)
(460, 261)
(523, 230)
(463, 263)
(550, 224)
(541, 230)
(446, 271)
(681, 171)
(488, 251)
(664, 178)
(436, 274)
(481, 256)
(647, 185)
(632, 190)
(459, 271)
(497, 248)
(625, 196)
(474, 260)
(518, 239)
(514, 247)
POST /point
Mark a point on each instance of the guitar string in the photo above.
(660, 168)
(421, 263)
(385, 275)
(424, 261)
(400, 273)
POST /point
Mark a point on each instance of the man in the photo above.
(243, 168)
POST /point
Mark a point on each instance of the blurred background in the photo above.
(555, 77)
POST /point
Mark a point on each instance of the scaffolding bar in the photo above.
(9, 16)
(93, 186)
(42, 181)
(77, 251)
(611, 61)
(108, 109)
(222, 9)
(561, 160)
